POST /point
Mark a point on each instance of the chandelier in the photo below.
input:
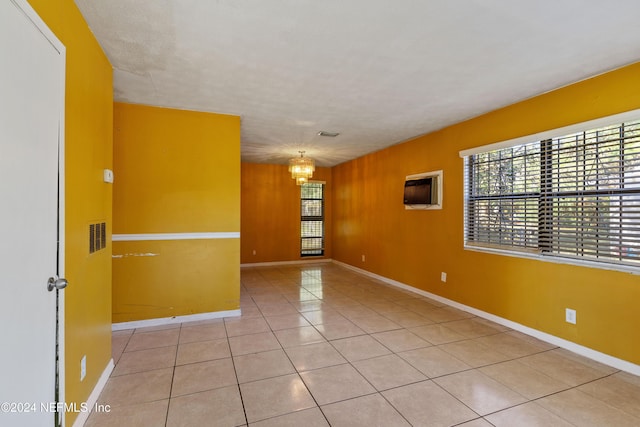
(301, 168)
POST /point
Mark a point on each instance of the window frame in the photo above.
(537, 254)
(312, 218)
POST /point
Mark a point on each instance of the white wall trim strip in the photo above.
(552, 339)
(174, 236)
(93, 397)
(554, 133)
(175, 319)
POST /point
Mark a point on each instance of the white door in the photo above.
(31, 111)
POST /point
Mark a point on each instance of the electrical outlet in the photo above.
(363, 259)
(570, 316)
(443, 277)
(83, 367)
(254, 251)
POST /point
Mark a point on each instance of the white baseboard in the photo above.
(175, 319)
(93, 397)
(277, 263)
(606, 359)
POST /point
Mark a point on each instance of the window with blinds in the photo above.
(575, 196)
(312, 219)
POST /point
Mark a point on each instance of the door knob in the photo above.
(56, 283)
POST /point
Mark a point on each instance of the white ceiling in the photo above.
(377, 71)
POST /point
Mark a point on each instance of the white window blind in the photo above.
(576, 195)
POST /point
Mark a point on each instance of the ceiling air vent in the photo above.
(329, 134)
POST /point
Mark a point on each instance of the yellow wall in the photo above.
(270, 214)
(88, 145)
(414, 247)
(175, 172)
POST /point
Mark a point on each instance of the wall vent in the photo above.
(97, 236)
(92, 238)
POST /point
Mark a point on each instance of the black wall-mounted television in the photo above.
(418, 191)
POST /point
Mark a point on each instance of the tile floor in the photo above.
(320, 345)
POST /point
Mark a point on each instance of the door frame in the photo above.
(44, 29)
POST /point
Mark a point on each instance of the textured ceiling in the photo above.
(377, 71)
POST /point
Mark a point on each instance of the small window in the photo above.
(312, 219)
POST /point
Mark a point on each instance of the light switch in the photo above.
(108, 176)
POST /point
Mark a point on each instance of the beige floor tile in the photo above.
(473, 328)
(418, 305)
(147, 340)
(287, 321)
(326, 315)
(581, 409)
(340, 329)
(259, 366)
(274, 397)
(314, 356)
(335, 383)
(137, 388)
(433, 362)
(386, 307)
(603, 369)
(479, 392)
(445, 314)
(407, 319)
(118, 344)
(434, 407)
(202, 376)
(437, 334)
(151, 414)
(524, 380)
(630, 378)
(356, 310)
(156, 328)
(201, 351)
(510, 346)
(619, 391)
(272, 297)
(478, 422)
(389, 371)
(304, 306)
(535, 341)
(308, 418)
(473, 353)
(205, 322)
(245, 326)
(206, 332)
(562, 368)
(400, 340)
(248, 312)
(220, 407)
(375, 323)
(298, 336)
(528, 414)
(254, 343)
(277, 309)
(299, 295)
(359, 348)
(365, 411)
(145, 360)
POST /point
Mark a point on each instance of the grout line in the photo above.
(173, 375)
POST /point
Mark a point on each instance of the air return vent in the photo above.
(329, 134)
(97, 237)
